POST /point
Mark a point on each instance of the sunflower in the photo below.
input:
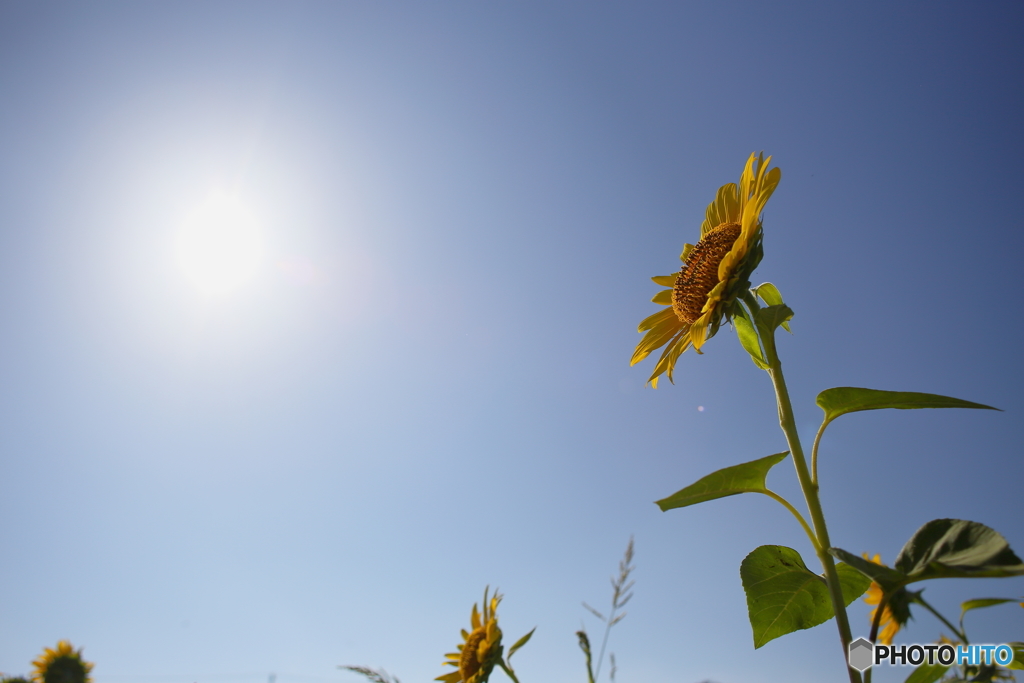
(62, 664)
(715, 272)
(896, 612)
(481, 648)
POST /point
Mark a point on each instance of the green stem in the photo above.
(796, 513)
(508, 670)
(810, 490)
(959, 634)
(875, 622)
(814, 453)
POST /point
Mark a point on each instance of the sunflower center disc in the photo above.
(469, 663)
(700, 271)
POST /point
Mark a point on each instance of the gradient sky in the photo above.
(425, 389)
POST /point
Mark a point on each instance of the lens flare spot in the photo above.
(220, 246)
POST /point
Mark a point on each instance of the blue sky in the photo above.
(425, 387)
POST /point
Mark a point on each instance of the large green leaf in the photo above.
(941, 549)
(841, 400)
(783, 595)
(746, 478)
(947, 548)
(853, 583)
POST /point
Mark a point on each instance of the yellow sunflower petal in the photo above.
(666, 280)
(474, 618)
(652, 320)
(656, 337)
(889, 632)
(725, 209)
(664, 297)
(699, 330)
(747, 180)
(678, 348)
(770, 183)
(667, 362)
(729, 262)
(714, 296)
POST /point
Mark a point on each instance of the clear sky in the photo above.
(422, 386)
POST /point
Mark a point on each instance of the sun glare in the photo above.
(219, 246)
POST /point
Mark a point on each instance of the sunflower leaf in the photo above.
(1018, 656)
(769, 318)
(983, 602)
(948, 548)
(980, 603)
(783, 595)
(748, 337)
(519, 643)
(770, 294)
(730, 481)
(841, 400)
(853, 583)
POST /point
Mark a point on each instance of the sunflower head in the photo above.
(480, 649)
(897, 610)
(62, 664)
(715, 272)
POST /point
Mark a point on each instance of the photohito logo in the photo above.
(863, 655)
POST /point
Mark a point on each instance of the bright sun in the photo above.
(220, 246)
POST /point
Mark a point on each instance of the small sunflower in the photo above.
(62, 664)
(896, 612)
(715, 272)
(481, 648)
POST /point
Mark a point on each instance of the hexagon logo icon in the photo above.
(861, 654)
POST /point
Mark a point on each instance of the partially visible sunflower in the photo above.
(896, 612)
(480, 649)
(983, 672)
(715, 272)
(62, 664)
